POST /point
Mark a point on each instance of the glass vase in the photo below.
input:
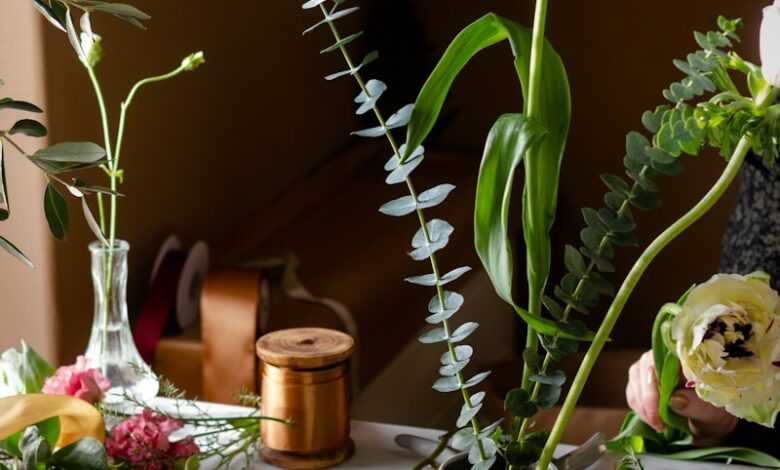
(111, 347)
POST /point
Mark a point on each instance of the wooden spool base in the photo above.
(293, 461)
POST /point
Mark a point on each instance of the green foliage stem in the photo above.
(420, 216)
(639, 268)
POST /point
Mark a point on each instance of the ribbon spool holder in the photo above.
(305, 379)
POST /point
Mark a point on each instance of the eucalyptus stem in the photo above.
(423, 225)
(634, 276)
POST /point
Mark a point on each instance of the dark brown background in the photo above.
(212, 154)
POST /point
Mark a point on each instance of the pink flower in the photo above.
(78, 381)
(143, 442)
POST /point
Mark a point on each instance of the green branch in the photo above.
(634, 276)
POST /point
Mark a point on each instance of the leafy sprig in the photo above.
(431, 237)
(679, 128)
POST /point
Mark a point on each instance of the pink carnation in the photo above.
(78, 381)
(142, 441)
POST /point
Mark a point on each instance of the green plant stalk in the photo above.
(634, 276)
(113, 171)
(421, 218)
(548, 359)
(109, 156)
(532, 109)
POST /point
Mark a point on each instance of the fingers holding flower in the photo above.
(727, 338)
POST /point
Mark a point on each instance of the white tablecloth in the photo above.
(376, 449)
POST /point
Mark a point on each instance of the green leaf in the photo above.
(29, 127)
(9, 103)
(667, 368)
(548, 395)
(49, 13)
(34, 370)
(556, 377)
(738, 454)
(5, 204)
(509, 139)
(35, 449)
(518, 403)
(574, 261)
(86, 454)
(616, 184)
(72, 152)
(56, 211)
(9, 247)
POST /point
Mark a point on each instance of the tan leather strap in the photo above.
(230, 309)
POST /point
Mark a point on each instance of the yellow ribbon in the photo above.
(78, 419)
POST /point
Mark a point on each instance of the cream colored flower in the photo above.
(770, 44)
(727, 338)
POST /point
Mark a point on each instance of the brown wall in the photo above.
(205, 154)
(202, 152)
(618, 55)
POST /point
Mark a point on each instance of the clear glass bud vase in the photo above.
(111, 347)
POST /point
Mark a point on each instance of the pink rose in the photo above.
(143, 442)
(79, 381)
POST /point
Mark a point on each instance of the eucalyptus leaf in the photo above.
(463, 439)
(556, 377)
(462, 353)
(467, 413)
(476, 380)
(434, 196)
(395, 161)
(447, 384)
(437, 229)
(431, 280)
(548, 396)
(367, 99)
(399, 207)
(401, 173)
(56, 211)
(29, 127)
(452, 303)
(332, 17)
(401, 118)
(437, 335)
(463, 331)
(518, 404)
(342, 42)
(313, 4)
(453, 369)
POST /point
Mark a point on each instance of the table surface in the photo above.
(376, 448)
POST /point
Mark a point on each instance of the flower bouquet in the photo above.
(706, 108)
(56, 419)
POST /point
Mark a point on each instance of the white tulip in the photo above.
(770, 44)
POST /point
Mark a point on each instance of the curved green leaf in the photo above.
(667, 368)
(739, 454)
(56, 211)
(29, 127)
(542, 162)
(15, 252)
(508, 142)
(5, 205)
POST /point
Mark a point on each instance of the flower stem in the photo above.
(634, 276)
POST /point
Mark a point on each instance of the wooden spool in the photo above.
(304, 379)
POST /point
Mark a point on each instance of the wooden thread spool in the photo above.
(304, 378)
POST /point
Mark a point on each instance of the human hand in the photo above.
(709, 424)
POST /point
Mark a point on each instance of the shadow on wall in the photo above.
(206, 154)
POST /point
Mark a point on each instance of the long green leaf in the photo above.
(6, 245)
(56, 211)
(739, 454)
(508, 142)
(542, 162)
(5, 205)
(667, 368)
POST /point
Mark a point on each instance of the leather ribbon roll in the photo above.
(235, 312)
(231, 306)
(172, 302)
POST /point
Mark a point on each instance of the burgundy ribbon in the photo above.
(158, 311)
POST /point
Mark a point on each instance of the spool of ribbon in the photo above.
(174, 291)
(235, 312)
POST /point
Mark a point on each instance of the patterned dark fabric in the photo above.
(752, 242)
